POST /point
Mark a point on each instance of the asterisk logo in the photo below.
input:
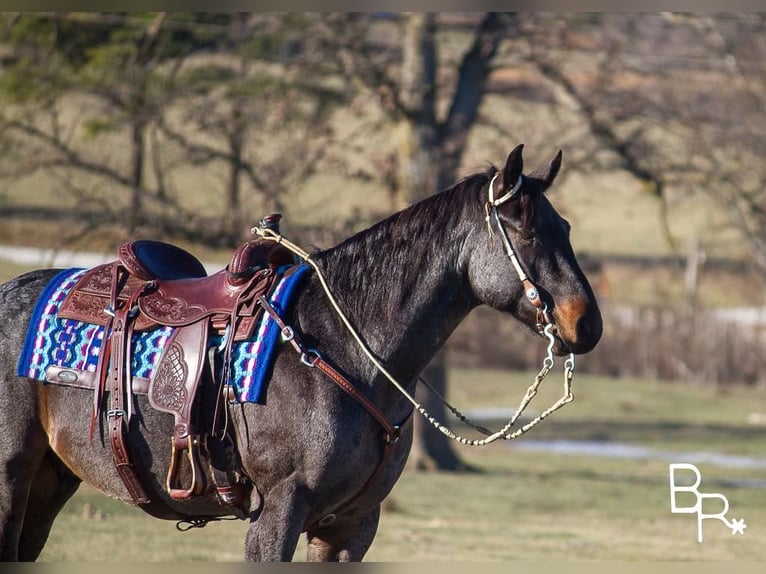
(738, 526)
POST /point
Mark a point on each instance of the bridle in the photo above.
(545, 326)
(491, 216)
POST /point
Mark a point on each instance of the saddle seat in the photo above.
(150, 260)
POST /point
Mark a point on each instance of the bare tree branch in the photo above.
(67, 155)
(469, 91)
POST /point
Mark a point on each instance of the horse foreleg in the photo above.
(273, 534)
(344, 542)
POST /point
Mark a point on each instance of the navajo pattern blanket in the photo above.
(76, 345)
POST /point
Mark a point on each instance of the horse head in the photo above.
(528, 267)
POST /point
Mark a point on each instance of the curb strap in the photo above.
(311, 358)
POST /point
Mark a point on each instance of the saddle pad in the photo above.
(76, 345)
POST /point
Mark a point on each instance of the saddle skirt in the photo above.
(60, 350)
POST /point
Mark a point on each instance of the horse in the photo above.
(310, 453)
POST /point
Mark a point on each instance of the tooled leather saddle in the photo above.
(154, 284)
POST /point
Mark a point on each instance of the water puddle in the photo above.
(621, 450)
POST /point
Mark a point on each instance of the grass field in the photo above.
(522, 504)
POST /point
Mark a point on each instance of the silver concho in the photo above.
(67, 376)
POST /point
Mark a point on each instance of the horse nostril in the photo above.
(579, 324)
(588, 329)
(583, 328)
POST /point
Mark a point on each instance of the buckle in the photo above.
(109, 310)
(396, 435)
(288, 334)
(115, 413)
(308, 360)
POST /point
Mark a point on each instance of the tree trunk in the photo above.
(417, 146)
(431, 450)
(137, 108)
(138, 151)
(429, 156)
(238, 125)
(234, 207)
(417, 163)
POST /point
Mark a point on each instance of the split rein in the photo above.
(545, 326)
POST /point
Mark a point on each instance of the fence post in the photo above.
(694, 260)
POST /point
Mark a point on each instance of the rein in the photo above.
(545, 327)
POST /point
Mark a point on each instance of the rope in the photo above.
(503, 433)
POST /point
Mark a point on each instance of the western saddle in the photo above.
(153, 284)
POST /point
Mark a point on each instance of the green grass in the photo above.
(522, 505)
(555, 507)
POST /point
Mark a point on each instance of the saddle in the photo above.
(154, 284)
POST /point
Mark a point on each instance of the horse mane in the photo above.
(404, 244)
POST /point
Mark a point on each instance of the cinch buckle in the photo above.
(115, 413)
(288, 334)
(308, 360)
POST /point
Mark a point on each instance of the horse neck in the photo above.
(403, 282)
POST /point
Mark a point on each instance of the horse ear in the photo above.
(513, 167)
(548, 173)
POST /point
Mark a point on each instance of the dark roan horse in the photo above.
(405, 283)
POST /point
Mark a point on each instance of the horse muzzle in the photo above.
(578, 326)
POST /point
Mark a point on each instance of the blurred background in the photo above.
(189, 127)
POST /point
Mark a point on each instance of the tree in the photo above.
(114, 63)
(429, 146)
(659, 120)
(249, 112)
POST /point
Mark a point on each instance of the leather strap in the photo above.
(65, 376)
(312, 358)
(80, 379)
(116, 415)
(101, 375)
(388, 450)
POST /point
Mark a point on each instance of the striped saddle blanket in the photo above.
(71, 344)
